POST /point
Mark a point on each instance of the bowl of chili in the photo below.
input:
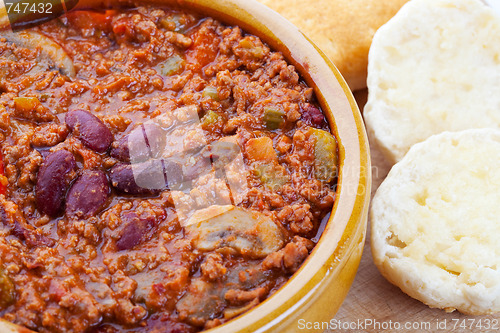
(296, 131)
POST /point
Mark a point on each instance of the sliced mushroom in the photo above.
(52, 54)
(203, 299)
(250, 233)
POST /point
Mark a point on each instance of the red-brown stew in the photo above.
(159, 172)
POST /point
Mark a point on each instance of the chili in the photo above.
(170, 172)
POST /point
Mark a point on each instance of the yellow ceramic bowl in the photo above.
(316, 291)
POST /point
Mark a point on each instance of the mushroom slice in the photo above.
(200, 301)
(250, 233)
(49, 50)
(204, 299)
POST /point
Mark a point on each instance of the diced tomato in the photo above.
(123, 27)
(100, 20)
(204, 49)
(3, 179)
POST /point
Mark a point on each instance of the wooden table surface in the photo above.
(374, 301)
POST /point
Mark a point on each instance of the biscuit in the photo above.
(434, 67)
(342, 29)
(4, 19)
(435, 222)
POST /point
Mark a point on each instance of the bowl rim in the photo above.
(354, 182)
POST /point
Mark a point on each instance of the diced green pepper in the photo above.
(210, 118)
(211, 92)
(171, 66)
(7, 290)
(273, 117)
(273, 177)
(325, 155)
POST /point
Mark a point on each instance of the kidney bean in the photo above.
(134, 142)
(19, 227)
(312, 116)
(145, 178)
(134, 230)
(90, 130)
(122, 178)
(88, 194)
(53, 181)
(30, 235)
(144, 142)
(120, 151)
(200, 166)
(173, 173)
(155, 139)
(150, 175)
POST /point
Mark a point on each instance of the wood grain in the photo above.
(373, 298)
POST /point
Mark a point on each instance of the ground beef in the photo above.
(108, 177)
